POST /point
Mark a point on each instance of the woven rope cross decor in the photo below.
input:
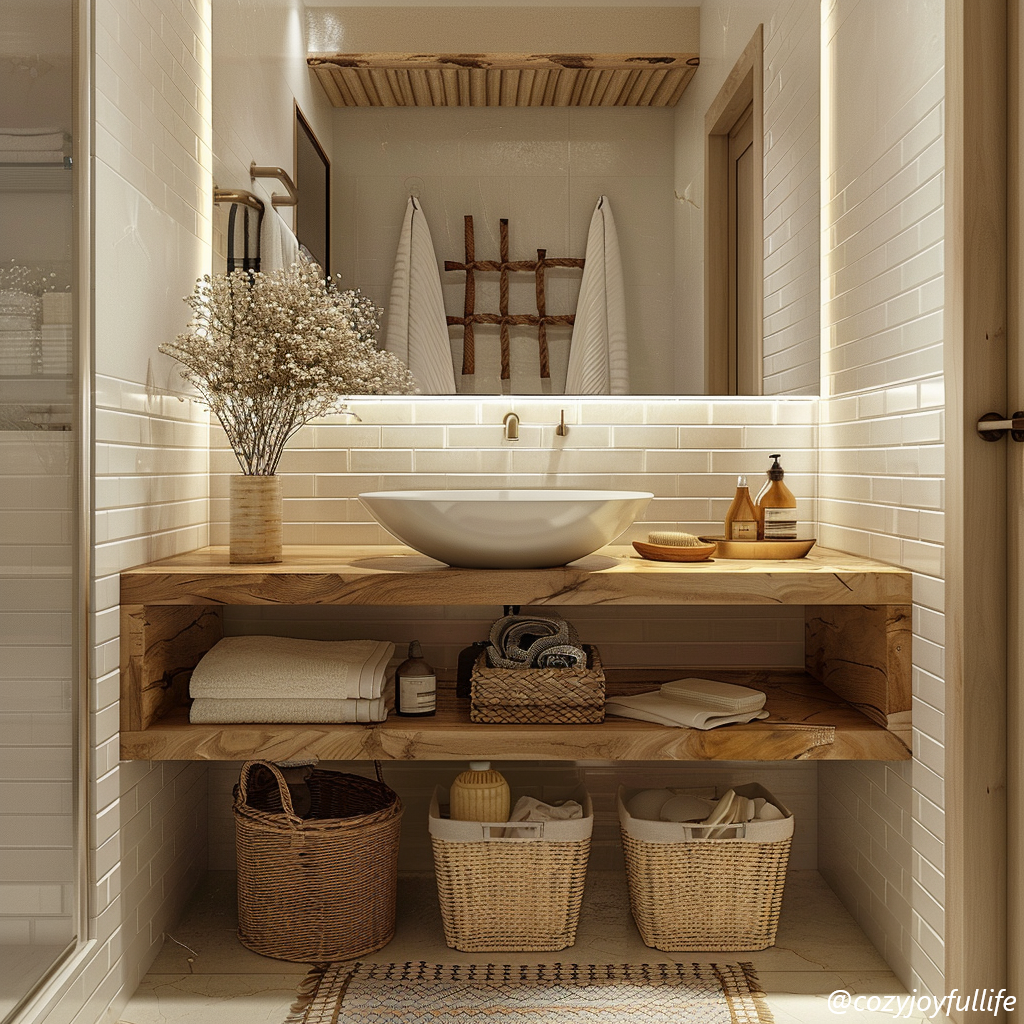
(503, 266)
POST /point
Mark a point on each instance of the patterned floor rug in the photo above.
(421, 993)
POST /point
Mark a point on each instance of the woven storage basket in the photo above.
(511, 895)
(719, 894)
(317, 888)
(517, 696)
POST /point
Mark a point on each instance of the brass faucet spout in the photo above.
(511, 425)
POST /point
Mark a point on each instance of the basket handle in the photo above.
(536, 826)
(282, 787)
(741, 825)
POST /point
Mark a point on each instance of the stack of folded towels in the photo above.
(279, 679)
(692, 703)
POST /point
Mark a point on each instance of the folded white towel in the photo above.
(32, 156)
(598, 364)
(713, 695)
(529, 808)
(36, 139)
(279, 247)
(653, 707)
(210, 710)
(417, 329)
(244, 667)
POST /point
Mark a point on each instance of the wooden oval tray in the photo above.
(776, 549)
(674, 553)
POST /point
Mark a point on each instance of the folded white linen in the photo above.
(34, 138)
(598, 363)
(417, 328)
(529, 808)
(245, 667)
(211, 710)
(279, 248)
(31, 156)
(653, 707)
(713, 695)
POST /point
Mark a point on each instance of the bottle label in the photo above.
(417, 694)
(780, 524)
(743, 529)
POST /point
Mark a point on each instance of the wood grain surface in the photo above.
(807, 722)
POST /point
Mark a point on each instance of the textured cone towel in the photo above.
(598, 363)
(417, 328)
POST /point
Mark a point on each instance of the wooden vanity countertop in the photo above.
(394, 575)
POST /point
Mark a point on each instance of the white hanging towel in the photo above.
(279, 248)
(417, 328)
(597, 354)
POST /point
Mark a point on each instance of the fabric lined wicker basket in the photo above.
(519, 696)
(510, 894)
(321, 887)
(687, 892)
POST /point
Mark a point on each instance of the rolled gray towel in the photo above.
(519, 641)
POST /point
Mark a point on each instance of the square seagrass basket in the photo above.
(511, 894)
(518, 696)
(321, 887)
(691, 892)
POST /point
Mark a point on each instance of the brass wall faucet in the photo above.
(511, 425)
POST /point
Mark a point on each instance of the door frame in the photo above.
(976, 922)
(743, 86)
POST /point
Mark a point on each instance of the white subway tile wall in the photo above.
(152, 215)
(36, 742)
(687, 452)
(791, 37)
(881, 483)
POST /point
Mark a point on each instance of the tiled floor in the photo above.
(205, 976)
(21, 967)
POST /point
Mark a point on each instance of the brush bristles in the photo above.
(671, 539)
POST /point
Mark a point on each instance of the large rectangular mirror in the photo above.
(714, 196)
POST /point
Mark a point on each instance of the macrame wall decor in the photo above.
(503, 267)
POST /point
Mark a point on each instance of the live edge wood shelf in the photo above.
(852, 702)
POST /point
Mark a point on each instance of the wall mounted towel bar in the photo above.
(237, 195)
(282, 176)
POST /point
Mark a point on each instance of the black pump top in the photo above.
(776, 472)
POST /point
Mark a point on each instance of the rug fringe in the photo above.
(757, 993)
(308, 988)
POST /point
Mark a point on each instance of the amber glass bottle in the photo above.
(741, 519)
(776, 507)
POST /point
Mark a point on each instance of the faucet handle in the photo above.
(562, 429)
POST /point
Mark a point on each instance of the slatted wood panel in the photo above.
(503, 79)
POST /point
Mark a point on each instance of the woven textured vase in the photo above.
(255, 519)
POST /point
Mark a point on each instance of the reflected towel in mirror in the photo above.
(417, 327)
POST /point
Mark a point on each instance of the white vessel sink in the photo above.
(506, 529)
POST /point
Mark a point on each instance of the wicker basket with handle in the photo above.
(687, 891)
(321, 887)
(514, 696)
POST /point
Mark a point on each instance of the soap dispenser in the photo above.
(415, 685)
(776, 506)
(480, 794)
(741, 519)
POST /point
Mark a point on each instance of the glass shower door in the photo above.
(39, 523)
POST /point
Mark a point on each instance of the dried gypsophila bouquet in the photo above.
(268, 352)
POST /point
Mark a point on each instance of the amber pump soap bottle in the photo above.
(776, 506)
(741, 519)
(415, 685)
(481, 794)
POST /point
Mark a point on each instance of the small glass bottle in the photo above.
(415, 685)
(776, 506)
(741, 519)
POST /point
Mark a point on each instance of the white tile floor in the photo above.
(204, 975)
(21, 967)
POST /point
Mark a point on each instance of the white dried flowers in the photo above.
(270, 351)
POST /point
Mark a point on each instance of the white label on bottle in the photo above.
(417, 693)
(743, 529)
(780, 524)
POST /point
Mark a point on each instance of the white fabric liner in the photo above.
(677, 832)
(570, 831)
(598, 360)
(417, 327)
